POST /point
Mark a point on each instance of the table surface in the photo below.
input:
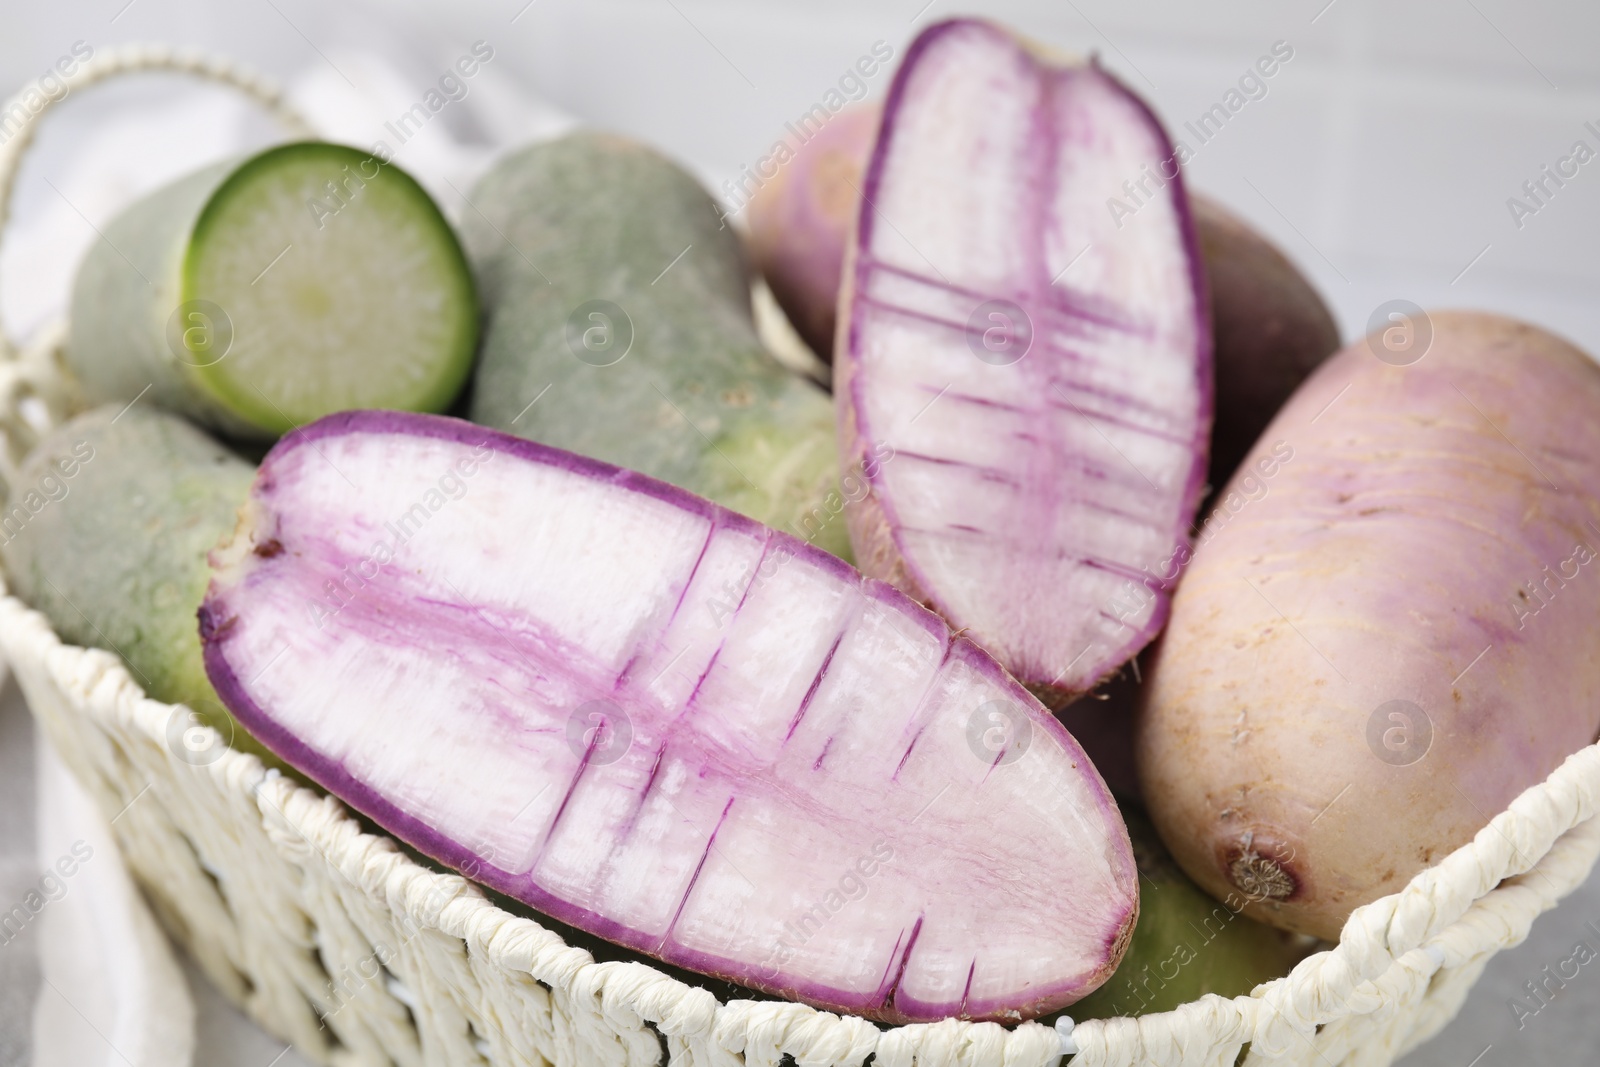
(1382, 158)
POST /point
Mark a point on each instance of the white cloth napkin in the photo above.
(112, 993)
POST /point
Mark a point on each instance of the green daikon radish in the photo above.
(257, 295)
(618, 325)
(106, 533)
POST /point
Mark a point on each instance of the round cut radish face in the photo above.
(664, 724)
(1027, 338)
(341, 285)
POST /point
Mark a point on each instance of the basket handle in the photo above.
(128, 59)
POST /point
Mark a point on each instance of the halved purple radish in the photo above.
(1037, 363)
(664, 723)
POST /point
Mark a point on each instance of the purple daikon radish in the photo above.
(664, 724)
(1023, 326)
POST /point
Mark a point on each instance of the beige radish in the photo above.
(1396, 633)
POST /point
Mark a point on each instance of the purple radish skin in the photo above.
(664, 724)
(1269, 325)
(1048, 464)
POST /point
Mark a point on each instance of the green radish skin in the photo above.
(668, 377)
(106, 534)
(254, 296)
(1185, 944)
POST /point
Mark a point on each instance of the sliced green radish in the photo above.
(257, 296)
(664, 724)
(1039, 367)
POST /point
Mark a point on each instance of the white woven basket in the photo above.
(336, 940)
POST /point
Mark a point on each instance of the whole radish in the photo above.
(799, 222)
(1378, 652)
(106, 534)
(1269, 327)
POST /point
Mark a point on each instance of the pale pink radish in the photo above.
(800, 220)
(665, 724)
(1375, 656)
(1039, 367)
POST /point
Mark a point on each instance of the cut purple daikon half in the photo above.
(664, 723)
(1024, 356)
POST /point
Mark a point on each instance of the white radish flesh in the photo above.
(664, 724)
(1038, 364)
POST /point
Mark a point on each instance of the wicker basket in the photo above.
(336, 940)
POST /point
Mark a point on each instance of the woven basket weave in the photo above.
(336, 940)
